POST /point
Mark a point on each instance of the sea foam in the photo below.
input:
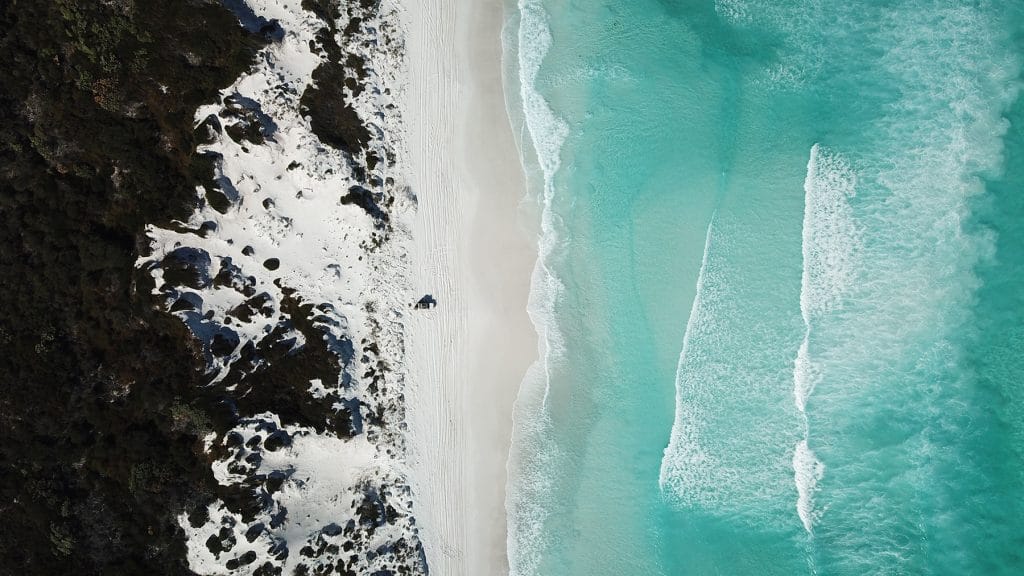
(683, 456)
(532, 452)
(830, 242)
(733, 433)
(830, 235)
(808, 471)
(888, 280)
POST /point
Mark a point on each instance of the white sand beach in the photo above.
(473, 251)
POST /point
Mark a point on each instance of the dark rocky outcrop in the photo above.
(332, 117)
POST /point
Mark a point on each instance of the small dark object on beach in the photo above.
(426, 303)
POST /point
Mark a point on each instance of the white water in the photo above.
(683, 452)
(531, 454)
(830, 245)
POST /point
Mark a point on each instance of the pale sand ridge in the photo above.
(470, 251)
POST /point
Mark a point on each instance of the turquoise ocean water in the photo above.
(781, 287)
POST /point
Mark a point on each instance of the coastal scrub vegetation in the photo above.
(99, 409)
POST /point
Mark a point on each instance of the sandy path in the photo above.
(470, 251)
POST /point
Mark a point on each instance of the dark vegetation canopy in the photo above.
(104, 402)
(101, 408)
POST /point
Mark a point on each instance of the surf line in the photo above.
(683, 444)
(807, 469)
(683, 439)
(829, 245)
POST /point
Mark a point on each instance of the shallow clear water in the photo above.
(781, 288)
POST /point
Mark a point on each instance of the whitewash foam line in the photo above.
(545, 133)
(684, 449)
(829, 244)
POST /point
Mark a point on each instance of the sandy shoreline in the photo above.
(470, 251)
